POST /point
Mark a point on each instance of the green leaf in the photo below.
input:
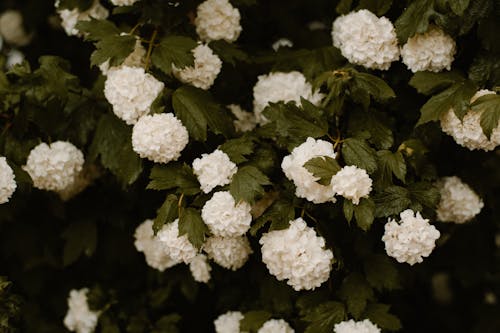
(381, 272)
(424, 194)
(379, 314)
(167, 324)
(114, 48)
(247, 184)
(190, 223)
(364, 85)
(96, 30)
(167, 213)
(356, 292)
(323, 317)
(323, 167)
(489, 105)
(173, 50)
(174, 175)
(280, 213)
(253, 320)
(229, 52)
(392, 200)
(389, 164)
(238, 148)
(348, 209)
(458, 6)
(415, 19)
(428, 83)
(357, 152)
(81, 239)
(378, 7)
(364, 213)
(343, 7)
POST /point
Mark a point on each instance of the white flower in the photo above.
(245, 121)
(7, 181)
(159, 137)
(123, 2)
(431, 51)
(54, 167)
(200, 269)
(298, 255)
(293, 167)
(351, 326)
(14, 57)
(80, 318)
(202, 74)
(282, 42)
(152, 247)
(179, 248)
(71, 17)
(228, 322)
(224, 217)
(131, 91)
(459, 203)
(11, 28)
(366, 40)
(352, 183)
(228, 252)
(215, 169)
(410, 239)
(276, 326)
(217, 19)
(134, 59)
(468, 132)
(281, 87)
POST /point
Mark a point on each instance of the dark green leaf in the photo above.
(356, 292)
(424, 194)
(364, 213)
(114, 48)
(96, 30)
(378, 7)
(428, 83)
(280, 213)
(174, 175)
(379, 314)
(391, 201)
(389, 164)
(190, 223)
(167, 324)
(323, 167)
(229, 52)
(381, 272)
(375, 124)
(253, 320)
(343, 7)
(458, 6)
(173, 50)
(415, 19)
(323, 317)
(81, 5)
(357, 152)
(167, 213)
(489, 105)
(247, 184)
(81, 238)
(348, 209)
(364, 83)
(238, 148)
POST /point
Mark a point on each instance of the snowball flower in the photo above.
(431, 51)
(152, 247)
(293, 167)
(215, 169)
(468, 132)
(80, 318)
(179, 248)
(14, 57)
(228, 252)
(200, 269)
(282, 42)
(459, 203)
(202, 74)
(224, 217)
(351, 326)
(228, 322)
(281, 87)
(70, 17)
(123, 2)
(7, 183)
(410, 239)
(275, 326)
(131, 91)
(366, 40)
(245, 121)
(54, 167)
(352, 183)
(134, 59)
(217, 19)
(298, 255)
(159, 137)
(11, 28)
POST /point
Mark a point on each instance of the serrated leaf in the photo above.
(81, 239)
(323, 317)
(364, 85)
(114, 48)
(378, 7)
(375, 124)
(392, 200)
(379, 314)
(247, 184)
(253, 320)
(191, 224)
(364, 213)
(323, 167)
(280, 213)
(428, 83)
(229, 52)
(489, 105)
(415, 19)
(425, 194)
(389, 164)
(356, 292)
(167, 213)
(173, 50)
(174, 175)
(96, 30)
(357, 152)
(381, 273)
(238, 148)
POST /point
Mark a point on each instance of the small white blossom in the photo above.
(214, 169)
(351, 326)
(245, 121)
(352, 183)
(282, 42)
(134, 59)
(411, 239)
(275, 326)
(12, 29)
(217, 19)
(200, 269)
(70, 17)
(179, 248)
(80, 318)
(123, 2)
(152, 247)
(14, 57)
(459, 203)
(7, 181)
(224, 217)
(228, 322)
(202, 74)
(229, 252)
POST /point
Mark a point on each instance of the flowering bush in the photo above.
(249, 166)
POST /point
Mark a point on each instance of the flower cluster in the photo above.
(179, 248)
(7, 181)
(217, 19)
(214, 169)
(80, 318)
(228, 322)
(151, 246)
(275, 326)
(200, 269)
(70, 17)
(351, 326)
(352, 183)
(203, 73)
(12, 30)
(228, 252)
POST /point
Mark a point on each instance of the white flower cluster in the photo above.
(224, 217)
(410, 239)
(179, 248)
(123, 2)
(14, 57)
(468, 132)
(214, 169)
(366, 40)
(200, 269)
(7, 181)
(134, 59)
(228, 322)
(80, 318)
(293, 167)
(54, 167)
(431, 51)
(11, 28)
(217, 19)
(298, 255)
(70, 17)
(131, 91)
(352, 183)
(275, 326)
(245, 121)
(351, 326)
(282, 87)
(459, 203)
(282, 42)
(159, 137)
(229, 252)
(152, 247)
(202, 74)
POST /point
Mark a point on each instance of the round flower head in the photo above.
(202, 74)
(11, 28)
(281, 87)
(410, 239)
(152, 247)
(7, 183)
(431, 51)
(200, 269)
(229, 252)
(366, 40)
(459, 203)
(214, 169)
(224, 217)
(352, 183)
(275, 326)
(131, 91)
(123, 2)
(293, 167)
(54, 167)
(468, 132)
(245, 121)
(228, 322)
(298, 255)
(134, 59)
(217, 19)
(80, 318)
(70, 17)
(14, 57)
(179, 248)
(159, 137)
(351, 326)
